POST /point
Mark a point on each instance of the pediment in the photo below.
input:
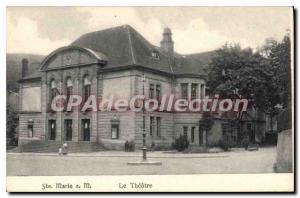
(72, 56)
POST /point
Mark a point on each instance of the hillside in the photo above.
(13, 68)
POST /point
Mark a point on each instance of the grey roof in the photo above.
(124, 46)
(35, 74)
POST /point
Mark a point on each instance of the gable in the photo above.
(72, 56)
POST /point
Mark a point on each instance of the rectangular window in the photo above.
(193, 134)
(52, 129)
(185, 131)
(151, 91)
(87, 92)
(184, 90)
(151, 125)
(86, 132)
(114, 131)
(158, 125)
(68, 130)
(194, 91)
(30, 129)
(158, 92)
(69, 93)
(201, 140)
(249, 126)
(207, 92)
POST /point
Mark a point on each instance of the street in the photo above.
(115, 163)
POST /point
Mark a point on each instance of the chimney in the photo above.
(167, 43)
(24, 71)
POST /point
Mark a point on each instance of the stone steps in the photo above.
(253, 147)
(53, 147)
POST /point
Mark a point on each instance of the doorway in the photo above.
(52, 129)
(68, 130)
(251, 133)
(86, 129)
(201, 136)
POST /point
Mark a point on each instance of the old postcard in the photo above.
(150, 99)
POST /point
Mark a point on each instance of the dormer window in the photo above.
(155, 54)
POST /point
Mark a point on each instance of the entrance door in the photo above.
(52, 129)
(200, 136)
(86, 129)
(68, 127)
(251, 133)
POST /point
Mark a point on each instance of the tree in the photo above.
(278, 76)
(237, 72)
(280, 59)
(11, 125)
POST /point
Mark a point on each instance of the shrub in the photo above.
(224, 145)
(181, 143)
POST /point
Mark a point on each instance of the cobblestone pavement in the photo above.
(115, 163)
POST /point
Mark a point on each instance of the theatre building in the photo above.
(115, 62)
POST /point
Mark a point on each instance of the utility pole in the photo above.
(144, 149)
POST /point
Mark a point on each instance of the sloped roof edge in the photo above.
(98, 55)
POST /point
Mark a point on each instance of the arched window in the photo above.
(53, 89)
(86, 87)
(69, 88)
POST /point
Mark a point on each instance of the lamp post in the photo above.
(144, 149)
(144, 146)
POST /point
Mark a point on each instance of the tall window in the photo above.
(193, 134)
(158, 126)
(158, 92)
(68, 129)
(151, 91)
(52, 129)
(151, 125)
(69, 88)
(207, 92)
(194, 91)
(184, 90)
(53, 90)
(185, 131)
(114, 131)
(30, 128)
(86, 88)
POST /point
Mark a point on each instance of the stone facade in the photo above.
(124, 84)
(105, 74)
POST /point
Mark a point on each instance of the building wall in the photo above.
(284, 161)
(124, 84)
(215, 134)
(189, 120)
(121, 84)
(24, 120)
(166, 137)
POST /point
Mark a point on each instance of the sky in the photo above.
(40, 30)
